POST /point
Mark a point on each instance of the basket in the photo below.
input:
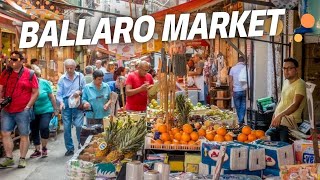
(150, 144)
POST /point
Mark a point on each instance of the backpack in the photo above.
(30, 75)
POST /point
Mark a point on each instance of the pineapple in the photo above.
(183, 108)
(110, 135)
(130, 139)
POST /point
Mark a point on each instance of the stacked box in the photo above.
(277, 153)
(235, 153)
(303, 150)
(307, 171)
(256, 160)
(269, 172)
(191, 162)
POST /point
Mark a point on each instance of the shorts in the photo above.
(21, 119)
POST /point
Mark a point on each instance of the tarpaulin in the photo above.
(187, 7)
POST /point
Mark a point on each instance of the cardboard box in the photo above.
(303, 150)
(269, 172)
(256, 158)
(235, 153)
(191, 162)
(277, 153)
(176, 163)
(308, 171)
(244, 172)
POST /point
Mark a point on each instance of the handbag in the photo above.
(80, 107)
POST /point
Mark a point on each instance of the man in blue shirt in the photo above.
(70, 84)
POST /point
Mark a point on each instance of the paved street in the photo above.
(52, 167)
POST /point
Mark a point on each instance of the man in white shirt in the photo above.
(237, 91)
(100, 67)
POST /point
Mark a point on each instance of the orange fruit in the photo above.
(246, 130)
(191, 142)
(175, 130)
(253, 132)
(210, 136)
(259, 133)
(242, 137)
(185, 137)
(171, 136)
(165, 137)
(167, 142)
(158, 141)
(187, 128)
(183, 142)
(175, 141)
(194, 136)
(177, 136)
(218, 138)
(228, 137)
(162, 128)
(222, 131)
(202, 132)
(252, 137)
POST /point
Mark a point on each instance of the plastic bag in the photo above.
(74, 102)
(53, 125)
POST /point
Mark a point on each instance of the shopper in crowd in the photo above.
(96, 99)
(293, 99)
(119, 77)
(108, 76)
(18, 92)
(198, 77)
(137, 85)
(237, 91)
(99, 66)
(35, 65)
(78, 69)
(70, 84)
(88, 74)
(44, 109)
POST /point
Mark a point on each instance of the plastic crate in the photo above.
(150, 144)
(259, 120)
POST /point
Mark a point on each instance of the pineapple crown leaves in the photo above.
(132, 137)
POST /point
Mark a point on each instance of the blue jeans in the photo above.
(40, 125)
(71, 116)
(21, 119)
(239, 99)
(280, 133)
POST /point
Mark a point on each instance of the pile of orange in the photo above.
(177, 136)
(249, 135)
(220, 135)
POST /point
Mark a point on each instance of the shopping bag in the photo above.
(53, 125)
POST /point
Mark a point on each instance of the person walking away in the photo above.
(96, 99)
(88, 74)
(293, 99)
(119, 77)
(137, 85)
(44, 108)
(18, 92)
(198, 77)
(70, 84)
(237, 91)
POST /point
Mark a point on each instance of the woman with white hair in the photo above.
(70, 86)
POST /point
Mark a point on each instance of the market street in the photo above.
(51, 167)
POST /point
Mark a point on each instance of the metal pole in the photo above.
(274, 69)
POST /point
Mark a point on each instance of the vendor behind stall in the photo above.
(198, 77)
(290, 107)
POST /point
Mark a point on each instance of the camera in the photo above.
(5, 102)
